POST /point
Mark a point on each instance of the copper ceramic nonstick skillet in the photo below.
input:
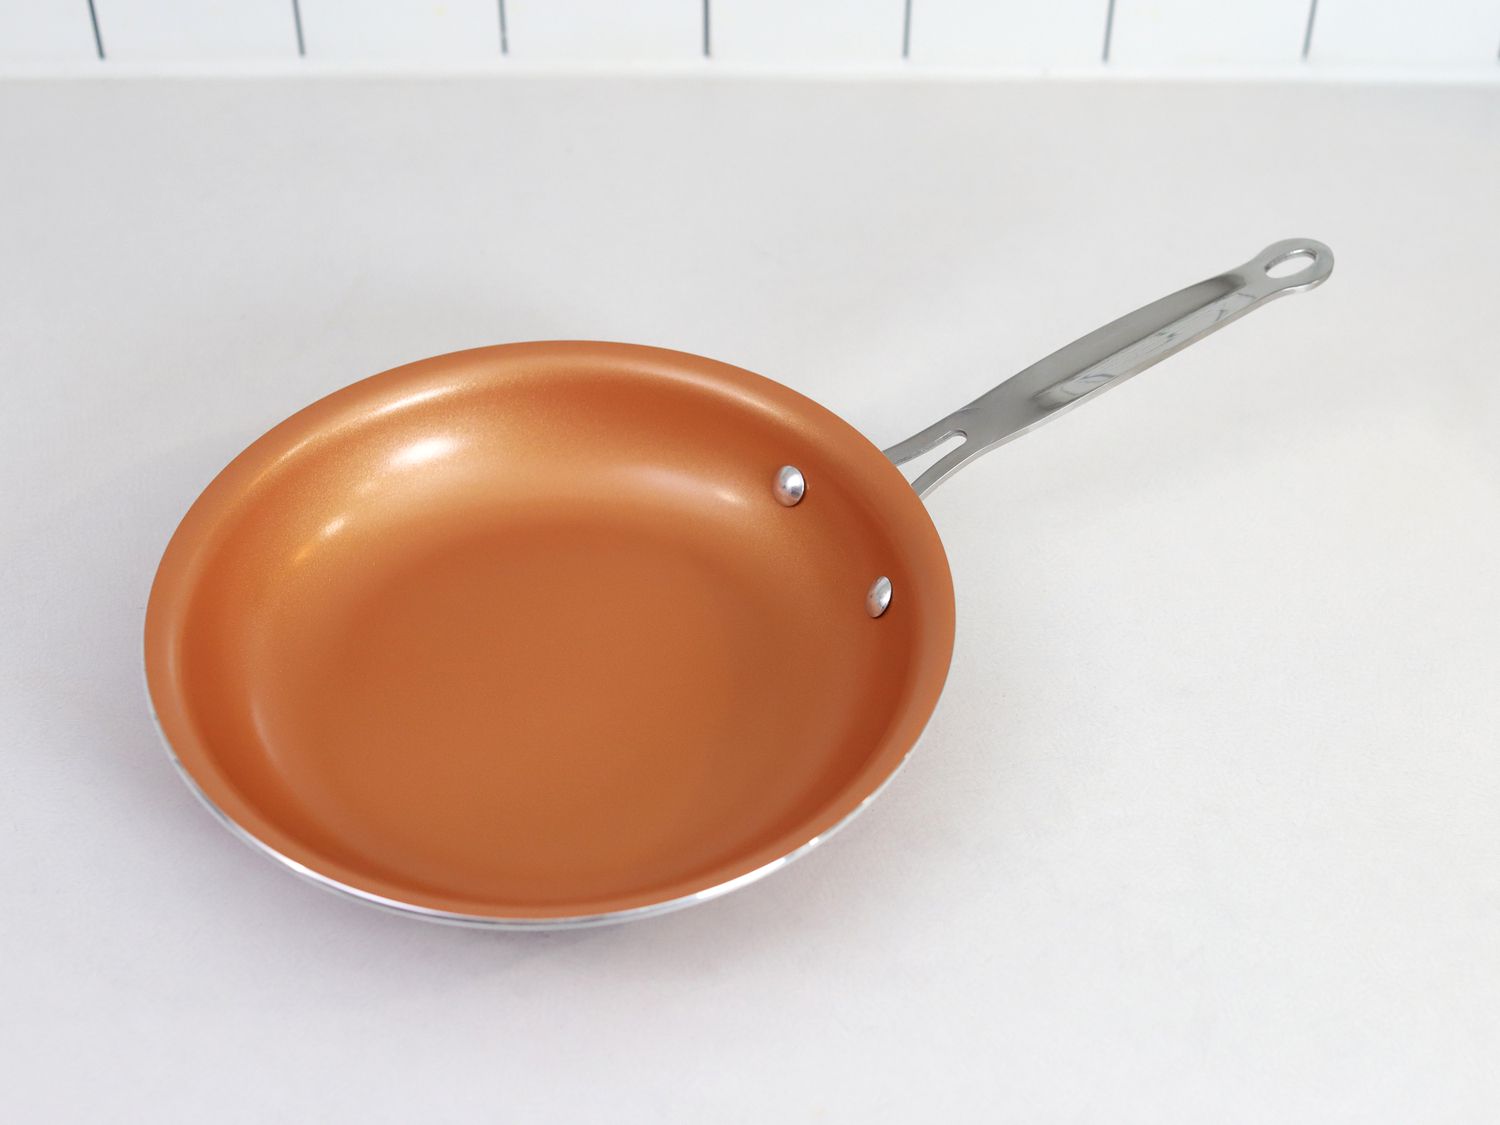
(566, 633)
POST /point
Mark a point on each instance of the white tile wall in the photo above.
(1396, 37)
(1413, 32)
(37, 30)
(192, 29)
(605, 30)
(808, 32)
(404, 30)
(1008, 33)
(1207, 33)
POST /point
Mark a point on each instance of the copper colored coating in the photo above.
(523, 633)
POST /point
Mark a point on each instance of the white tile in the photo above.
(45, 31)
(190, 29)
(1207, 33)
(1419, 32)
(605, 30)
(807, 31)
(1008, 33)
(401, 29)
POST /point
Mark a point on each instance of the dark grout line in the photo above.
(504, 33)
(98, 39)
(297, 21)
(1312, 19)
(708, 42)
(906, 32)
(1109, 29)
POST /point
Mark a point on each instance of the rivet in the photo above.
(789, 487)
(878, 600)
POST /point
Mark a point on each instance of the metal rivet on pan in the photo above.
(789, 485)
(878, 600)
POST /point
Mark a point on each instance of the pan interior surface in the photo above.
(524, 634)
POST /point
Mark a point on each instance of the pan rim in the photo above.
(514, 923)
(245, 820)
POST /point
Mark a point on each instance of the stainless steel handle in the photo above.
(1108, 356)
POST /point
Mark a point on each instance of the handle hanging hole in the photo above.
(1291, 264)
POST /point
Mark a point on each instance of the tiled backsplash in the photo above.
(1405, 36)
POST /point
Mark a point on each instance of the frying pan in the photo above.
(559, 634)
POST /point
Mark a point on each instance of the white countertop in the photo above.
(1207, 825)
